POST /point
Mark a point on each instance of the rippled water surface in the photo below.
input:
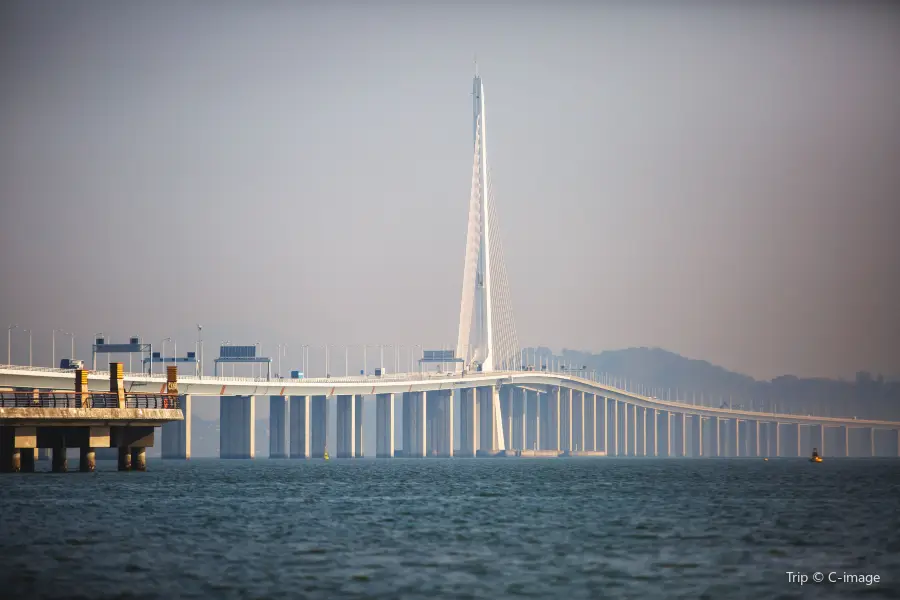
(567, 528)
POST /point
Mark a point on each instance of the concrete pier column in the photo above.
(124, 461)
(631, 439)
(817, 435)
(624, 431)
(506, 397)
(139, 459)
(697, 449)
(358, 426)
(406, 429)
(346, 426)
(27, 459)
(544, 401)
(447, 425)
(651, 430)
(797, 434)
(318, 426)
(577, 420)
(870, 433)
(278, 427)
(468, 422)
(664, 433)
(565, 419)
(60, 464)
(532, 413)
(777, 439)
(421, 414)
(300, 422)
(590, 422)
(384, 426)
(87, 460)
(613, 428)
(237, 427)
(716, 438)
(756, 429)
(602, 413)
(176, 435)
(519, 423)
(553, 419)
(15, 460)
(734, 426)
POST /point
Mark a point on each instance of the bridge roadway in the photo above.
(626, 423)
(63, 379)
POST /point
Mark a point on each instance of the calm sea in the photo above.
(487, 528)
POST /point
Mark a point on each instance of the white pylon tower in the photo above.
(487, 331)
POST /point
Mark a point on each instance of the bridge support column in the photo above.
(446, 448)
(755, 427)
(237, 426)
(651, 429)
(506, 396)
(777, 439)
(577, 420)
(176, 435)
(519, 423)
(614, 428)
(318, 426)
(300, 422)
(346, 427)
(870, 431)
(27, 459)
(277, 427)
(545, 420)
(601, 413)
(565, 419)
(468, 422)
(87, 459)
(697, 437)
(139, 458)
(631, 429)
(590, 422)
(817, 434)
(553, 418)
(735, 438)
(533, 429)
(358, 426)
(124, 461)
(420, 415)
(384, 426)
(664, 433)
(489, 399)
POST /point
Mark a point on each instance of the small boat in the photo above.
(815, 456)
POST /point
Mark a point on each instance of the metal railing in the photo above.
(92, 400)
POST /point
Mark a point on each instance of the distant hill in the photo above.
(704, 383)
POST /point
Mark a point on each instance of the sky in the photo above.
(720, 181)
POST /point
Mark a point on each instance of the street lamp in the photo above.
(53, 348)
(199, 357)
(29, 345)
(168, 339)
(9, 342)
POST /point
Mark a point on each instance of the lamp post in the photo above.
(168, 339)
(9, 343)
(29, 346)
(200, 351)
(53, 349)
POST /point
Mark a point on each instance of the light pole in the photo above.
(53, 350)
(9, 343)
(200, 350)
(168, 339)
(29, 346)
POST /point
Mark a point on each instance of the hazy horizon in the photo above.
(720, 183)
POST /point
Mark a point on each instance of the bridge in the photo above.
(501, 410)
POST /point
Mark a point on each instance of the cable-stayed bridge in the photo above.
(487, 407)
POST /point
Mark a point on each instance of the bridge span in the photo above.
(530, 413)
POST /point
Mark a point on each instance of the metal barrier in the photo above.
(94, 400)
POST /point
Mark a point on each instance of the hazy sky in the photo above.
(720, 182)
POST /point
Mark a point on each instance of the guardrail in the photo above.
(93, 400)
